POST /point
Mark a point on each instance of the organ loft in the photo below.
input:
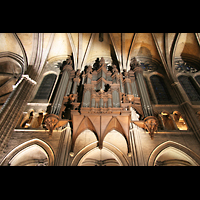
(99, 99)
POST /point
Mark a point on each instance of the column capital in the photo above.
(26, 76)
(138, 70)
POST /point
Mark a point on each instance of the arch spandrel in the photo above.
(84, 125)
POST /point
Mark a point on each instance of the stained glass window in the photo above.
(160, 89)
(189, 88)
(198, 79)
(46, 87)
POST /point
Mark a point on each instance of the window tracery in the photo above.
(189, 88)
(160, 89)
(184, 67)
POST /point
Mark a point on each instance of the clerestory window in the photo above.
(160, 89)
(190, 88)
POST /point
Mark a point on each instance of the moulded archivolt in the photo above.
(40, 145)
(175, 151)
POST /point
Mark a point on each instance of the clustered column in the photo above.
(12, 109)
(57, 103)
(145, 101)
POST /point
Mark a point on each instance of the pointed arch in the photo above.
(163, 54)
(41, 144)
(179, 120)
(144, 47)
(87, 51)
(85, 124)
(97, 49)
(186, 49)
(116, 41)
(171, 49)
(92, 146)
(129, 51)
(114, 124)
(186, 152)
(23, 52)
(74, 49)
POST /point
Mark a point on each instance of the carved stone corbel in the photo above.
(53, 121)
(151, 124)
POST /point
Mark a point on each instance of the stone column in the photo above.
(57, 103)
(150, 122)
(13, 108)
(62, 154)
(146, 104)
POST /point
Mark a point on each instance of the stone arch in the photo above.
(179, 120)
(84, 138)
(175, 154)
(116, 139)
(167, 121)
(11, 72)
(15, 157)
(85, 124)
(27, 119)
(45, 90)
(114, 124)
(85, 153)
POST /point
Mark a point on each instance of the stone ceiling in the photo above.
(86, 47)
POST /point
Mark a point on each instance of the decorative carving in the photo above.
(73, 97)
(68, 64)
(102, 61)
(53, 121)
(130, 97)
(89, 70)
(78, 73)
(184, 67)
(151, 124)
(134, 63)
(114, 69)
(125, 73)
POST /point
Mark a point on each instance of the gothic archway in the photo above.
(91, 155)
(34, 152)
(114, 124)
(171, 153)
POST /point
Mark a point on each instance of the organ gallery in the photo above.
(99, 99)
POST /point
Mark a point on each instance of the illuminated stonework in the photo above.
(99, 99)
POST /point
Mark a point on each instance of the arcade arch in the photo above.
(34, 152)
(173, 154)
